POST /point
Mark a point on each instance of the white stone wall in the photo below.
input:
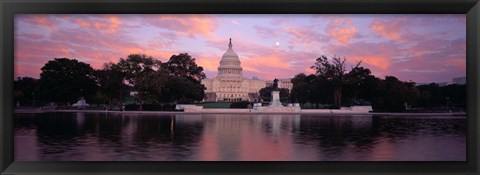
(232, 87)
(285, 83)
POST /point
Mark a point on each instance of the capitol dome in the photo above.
(230, 63)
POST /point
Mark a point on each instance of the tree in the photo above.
(425, 99)
(299, 89)
(359, 86)
(135, 64)
(357, 78)
(149, 85)
(111, 83)
(398, 94)
(320, 90)
(184, 65)
(412, 93)
(455, 94)
(335, 72)
(146, 75)
(183, 85)
(65, 80)
(369, 91)
(432, 95)
(179, 89)
(311, 88)
(26, 89)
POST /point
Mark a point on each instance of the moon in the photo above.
(277, 43)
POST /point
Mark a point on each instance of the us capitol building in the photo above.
(231, 86)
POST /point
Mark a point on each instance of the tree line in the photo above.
(64, 81)
(334, 85)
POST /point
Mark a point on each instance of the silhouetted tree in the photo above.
(334, 72)
(435, 96)
(319, 90)
(146, 76)
(299, 89)
(111, 83)
(311, 88)
(357, 79)
(431, 95)
(26, 91)
(184, 84)
(65, 80)
(398, 94)
(184, 65)
(180, 89)
(455, 95)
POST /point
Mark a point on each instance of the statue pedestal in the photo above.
(275, 105)
(275, 99)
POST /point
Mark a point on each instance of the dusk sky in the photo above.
(420, 48)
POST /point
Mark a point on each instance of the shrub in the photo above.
(240, 104)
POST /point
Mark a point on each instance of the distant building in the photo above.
(459, 80)
(282, 83)
(443, 83)
(230, 85)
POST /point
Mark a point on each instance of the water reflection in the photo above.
(101, 136)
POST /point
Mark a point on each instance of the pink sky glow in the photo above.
(420, 48)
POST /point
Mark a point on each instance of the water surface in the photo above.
(138, 137)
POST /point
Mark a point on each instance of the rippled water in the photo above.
(122, 137)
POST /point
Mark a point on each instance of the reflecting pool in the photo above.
(219, 137)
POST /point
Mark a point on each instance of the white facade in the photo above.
(230, 85)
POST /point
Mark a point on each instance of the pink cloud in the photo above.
(110, 26)
(433, 64)
(163, 40)
(25, 69)
(191, 25)
(39, 19)
(83, 23)
(266, 32)
(304, 36)
(373, 55)
(308, 71)
(266, 60)
(104, 23)
(91, 46)
(209, 61)
(342, 30)
(426, 71)
(379, 61)
(390, 29)
(97, 39)
(460, 63)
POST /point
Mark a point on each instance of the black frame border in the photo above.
(8, 8)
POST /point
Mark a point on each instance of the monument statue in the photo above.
(275, 104)
(275, 84)
(275, 95)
